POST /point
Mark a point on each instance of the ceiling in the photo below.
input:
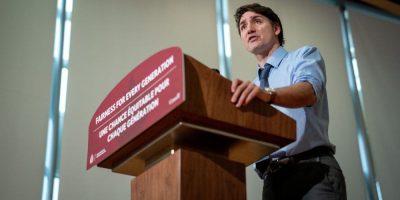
(388, 6)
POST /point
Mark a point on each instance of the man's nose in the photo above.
(250, 28)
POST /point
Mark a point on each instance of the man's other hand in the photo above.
(243, 92)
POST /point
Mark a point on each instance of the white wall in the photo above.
(109, 38)
(26, 43)
(377, 50)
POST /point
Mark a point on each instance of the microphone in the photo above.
(215, 69)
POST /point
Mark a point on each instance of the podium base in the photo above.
(188, 174)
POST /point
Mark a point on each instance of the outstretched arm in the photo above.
(298, 95)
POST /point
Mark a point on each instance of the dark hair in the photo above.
(262, 10)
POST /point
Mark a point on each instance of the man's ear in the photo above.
(277, 29)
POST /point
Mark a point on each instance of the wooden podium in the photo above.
(201, 148)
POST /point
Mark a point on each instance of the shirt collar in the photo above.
(276, 57)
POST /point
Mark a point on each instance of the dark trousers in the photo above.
(316, 178)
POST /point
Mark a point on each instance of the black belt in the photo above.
(276, 164)
(315, 152)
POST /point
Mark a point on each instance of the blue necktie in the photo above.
(263, 75)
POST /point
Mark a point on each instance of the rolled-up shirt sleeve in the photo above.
(310, 68)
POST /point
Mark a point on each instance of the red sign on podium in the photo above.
(148, 93)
